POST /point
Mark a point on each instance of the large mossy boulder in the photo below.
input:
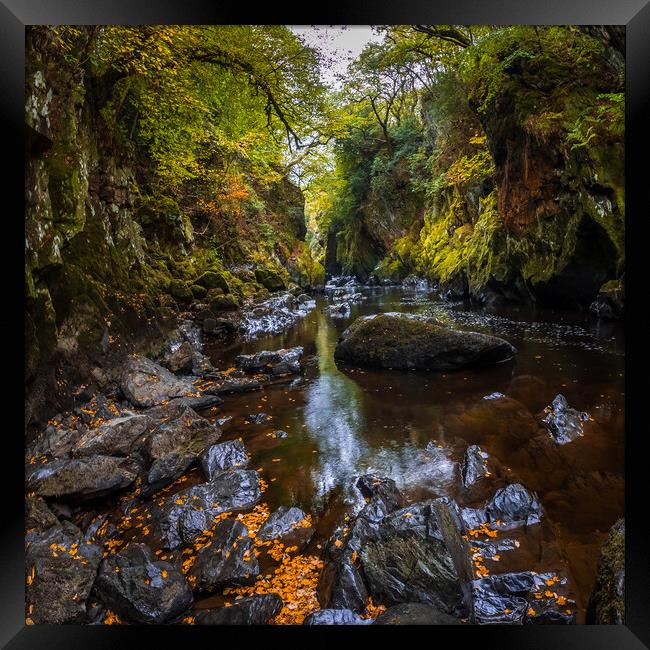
(403, 343)
(270, 279)
(607, 602)
(213, 280)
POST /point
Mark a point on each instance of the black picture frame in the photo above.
(16, 14)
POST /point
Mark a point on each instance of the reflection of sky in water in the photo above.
(333, 418)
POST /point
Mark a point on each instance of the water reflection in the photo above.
(333, 416)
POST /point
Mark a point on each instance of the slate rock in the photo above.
(142, 589)
(255, 610)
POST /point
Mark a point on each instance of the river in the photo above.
(342, 422)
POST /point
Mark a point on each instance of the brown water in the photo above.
(343, 422)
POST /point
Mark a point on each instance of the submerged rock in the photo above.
(233, 489)
(142, 589)
(278, 362)
(257, 418)
(60, 571)
(607, 602)
(415, 614)
(145, 383)
(82, 478)
(225, 455)
(255, 610)
(399, 342)
(563, 422)
(335, 617)
(228, 559)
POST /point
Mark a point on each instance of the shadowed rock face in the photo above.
(144, 590)
(256, 610)
(607, 602)
(402, 343)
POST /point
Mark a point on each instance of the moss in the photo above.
(271, 279)
(607, 603)
(213, 280)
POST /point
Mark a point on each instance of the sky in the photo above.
(338, 43)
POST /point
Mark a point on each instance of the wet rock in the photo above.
(610, 302)
(166, 470)
(228, 560)
(284, 522)
(510, 598)
(257, 418)
(256, 610)
(339, 309)
(186, 360)
(198, 403)
(274, 315)
(512, 505)
(81, 479)
(415, 282)
(145, 383)
(185, 434)
(59, 565)
(504, 610)
(280, 434)
(414, 614)
(495, 395)
(225, 455)
(607, 602)
(38, 517)
(278, 362)
(563, 422)
(142, 589)
(473, 466)
(224, 303)
(223, 384)
(118, 437)
(234, 489)
(335, 617)
(419, 556)
(379, 490)
(399, 342)
(342, 584)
